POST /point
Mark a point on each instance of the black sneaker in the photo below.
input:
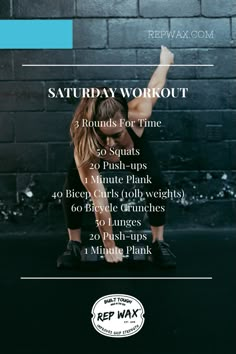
(71, 258)
(162, 255)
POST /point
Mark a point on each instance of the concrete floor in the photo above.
(182, 316)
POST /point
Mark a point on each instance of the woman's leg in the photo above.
(157, 233)
(71, 257)
(74, 235)
(157, 218)
(161, 253)
(73, 219)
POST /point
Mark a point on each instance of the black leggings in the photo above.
(73, 181)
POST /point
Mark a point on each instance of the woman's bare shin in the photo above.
(74, 234)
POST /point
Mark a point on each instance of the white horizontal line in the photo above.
(102, 65)
(116, 278)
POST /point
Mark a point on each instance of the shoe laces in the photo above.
(73, 248)
(164, 247)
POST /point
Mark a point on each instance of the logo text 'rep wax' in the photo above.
(118, 315)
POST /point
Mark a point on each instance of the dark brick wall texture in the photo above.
(197, 142)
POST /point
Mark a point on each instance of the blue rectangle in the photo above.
(36, 34)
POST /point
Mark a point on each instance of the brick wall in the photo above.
(197, 143)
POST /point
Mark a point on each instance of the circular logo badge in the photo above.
(118, 315)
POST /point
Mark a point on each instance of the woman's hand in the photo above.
(115, 257)
(166, 56)
(140, 108)
(115, 253)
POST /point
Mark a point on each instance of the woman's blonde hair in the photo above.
(86, 139)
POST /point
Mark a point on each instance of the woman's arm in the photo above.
(140, 108)
(90, 180)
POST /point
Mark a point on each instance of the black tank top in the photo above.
(142, 145)
(139, 142)
(135, 138)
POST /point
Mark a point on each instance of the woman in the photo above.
(116, 126)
